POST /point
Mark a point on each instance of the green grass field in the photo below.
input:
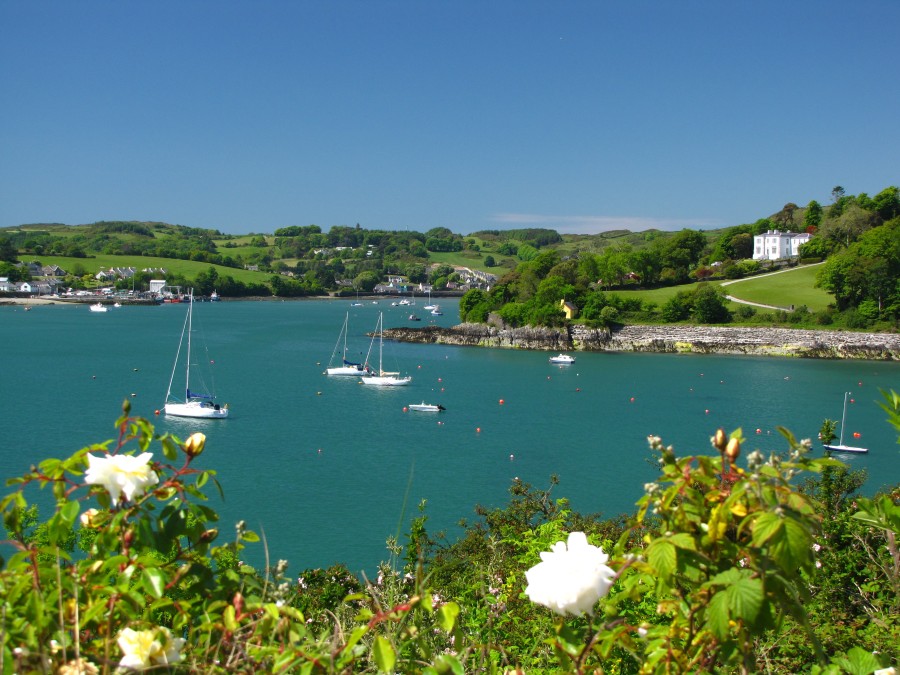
(793, 287)
(474, 260)
(188, 268)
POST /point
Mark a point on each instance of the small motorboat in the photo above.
(413, 317)
(425, 407)
(564, 359)
(99, 307)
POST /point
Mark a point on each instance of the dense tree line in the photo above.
(308, 260)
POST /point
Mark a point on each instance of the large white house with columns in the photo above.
(775, 245)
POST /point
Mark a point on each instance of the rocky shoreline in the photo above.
(666, 339)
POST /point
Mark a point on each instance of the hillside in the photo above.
(523, 274)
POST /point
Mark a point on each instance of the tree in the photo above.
(709, 305)
(785, 217)
(867, 270)
(837, 192)
(813, 215)
(366, 281)
(8, 250)
(887, 203)
(489, 261)
(677, 308)
(846, 227)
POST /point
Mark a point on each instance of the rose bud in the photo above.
(194, 445)
(720, 439)
(733, 450)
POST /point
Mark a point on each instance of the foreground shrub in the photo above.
(130, 573)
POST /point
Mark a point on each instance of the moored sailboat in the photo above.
(201, 402)
(382, 377)
(345, 368)
(840, 447)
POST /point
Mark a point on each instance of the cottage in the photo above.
(569, 309)
(52, 271)
(775, 245)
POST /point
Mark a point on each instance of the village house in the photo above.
(569, 309)
(52, 271)
(776, 245)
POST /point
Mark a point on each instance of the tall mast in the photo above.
(844, 416)
(187, 374)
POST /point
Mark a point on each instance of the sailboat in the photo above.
(196, 403)
(382, 377)
(346, 367)
(841, 447)
(429, 306)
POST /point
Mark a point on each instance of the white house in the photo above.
(775, 245)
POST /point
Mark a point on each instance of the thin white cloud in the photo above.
(596, 224)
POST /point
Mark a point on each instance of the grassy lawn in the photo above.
(793, 287)
(187, 268)
(471, 259)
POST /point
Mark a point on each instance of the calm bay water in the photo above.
(327, 469)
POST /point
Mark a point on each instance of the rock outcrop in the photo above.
(665, 339)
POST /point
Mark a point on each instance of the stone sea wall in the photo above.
(666, 339)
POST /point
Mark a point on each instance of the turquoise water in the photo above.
(328, 469)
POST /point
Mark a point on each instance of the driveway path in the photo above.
(759, 276)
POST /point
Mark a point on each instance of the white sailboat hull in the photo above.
(845, 448)
(199, 409)
(386, 380)
(345, 371)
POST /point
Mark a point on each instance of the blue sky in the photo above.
(247, 116)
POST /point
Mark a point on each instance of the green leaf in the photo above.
(717, 615)
(154, 581)
(765, 527)
(230, 619)
(446, 616)
(683, 540)
(385, 656)
(447, 663)
(792, 545)
(355, 637)
(249, 536)
(662, 556)
(858, 662)
(745, 598)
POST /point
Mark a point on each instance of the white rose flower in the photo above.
(147, 648)
(120, 474)
(570, 579)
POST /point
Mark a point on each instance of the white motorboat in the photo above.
(840, 447)
(345, 368)
(425, 407)
(201, 402)
(437, 311)
(99, 307)
(381, 377)
(564, 359)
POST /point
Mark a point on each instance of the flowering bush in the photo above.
(716, 561)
